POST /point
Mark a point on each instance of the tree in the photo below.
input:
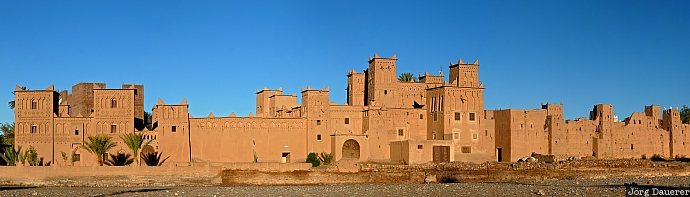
(7, 133)
(326, 158)
(99, 145)
(685, 114)
(11, 155)
(135, 141)
(11, 103)
(313, 159)
(406, 77)
(147, 121)
(119, 160)
(153, 159)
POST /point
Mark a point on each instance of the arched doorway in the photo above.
(148, 149)
(351, 149)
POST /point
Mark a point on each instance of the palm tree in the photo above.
(135, 141)
(7, 133)
(153, 159)
(119, 160)
(11, 155)
(99, 145)
(406, 77)
(147, 121)
(11, 103)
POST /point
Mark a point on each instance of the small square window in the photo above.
(401, 132)
(475, 136)
(174, 128)
(113, 128)
(34, 128)
(420, 146)
(466, 149)
(456, 135)
(76, 157)
(318, 122)
(472, 114)
(318, 137)
(347, 120)
(457, 115)
(76, 132)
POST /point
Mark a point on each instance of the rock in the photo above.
(540, 192)
(531, 159)
(430, 178)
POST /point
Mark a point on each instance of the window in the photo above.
(475, 136)
(76, 157)
(318, 122)
(347, 120)
(433, 135)
(113, 103)
(466, 149)
(401, 132)
(385, 92)
(34, 104)
(456, 135)
(174, 128)
(457, 115)
(421, 116)
(76, 132)
(472, 116)
(34, 128)
(113, 128)
(486, 132)
(435, 116)
(318, 137)
(420, 146)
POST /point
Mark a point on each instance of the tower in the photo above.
(382, 80)
(172, 123)
(355, 88)
(465, 75)
(33, 114)
(315, 107)
(263, 101)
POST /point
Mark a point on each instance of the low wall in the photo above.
(198, 174)
(230, 178)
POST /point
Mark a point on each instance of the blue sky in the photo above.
(217, 54)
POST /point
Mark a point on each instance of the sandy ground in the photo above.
(598, 187)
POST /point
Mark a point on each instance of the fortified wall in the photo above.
(427, 119)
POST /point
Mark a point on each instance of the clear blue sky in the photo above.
(217, 54)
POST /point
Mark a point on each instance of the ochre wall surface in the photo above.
(383, 119)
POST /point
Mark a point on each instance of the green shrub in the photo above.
(326, 158)
(313, 159)
(31, 156)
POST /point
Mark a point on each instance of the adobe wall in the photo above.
(236, 139)
(384, 125)
(417, 151)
